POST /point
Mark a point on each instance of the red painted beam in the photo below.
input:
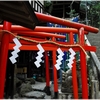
(19, 29)
(40, 34)
(67, 23)
(86, 47)
(26, 41)
(89, 48)
(52, 19)
(45, 29)
(16, 28)
(51, 47)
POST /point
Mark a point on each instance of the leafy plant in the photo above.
(48, 6)
(72, 13)
(93, 13)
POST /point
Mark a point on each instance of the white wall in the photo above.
(38, 10)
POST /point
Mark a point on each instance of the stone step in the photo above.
(34, 94)
(39, 86)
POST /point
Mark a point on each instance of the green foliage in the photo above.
(72, 13)
(93, 12)
(48, 5)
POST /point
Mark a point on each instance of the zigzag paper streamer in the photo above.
(40, 55)
(16, 50)
(71, 58)
(61, 54)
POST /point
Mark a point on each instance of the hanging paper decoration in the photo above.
(16, 50)
(40, 55)
(60, 58)
(71, 58)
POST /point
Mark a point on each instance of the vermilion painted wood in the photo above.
(51, 47)
(41, 34)
(3, 57)
(74, 73)
(25, 41)
(52, 19)
(47, 69)
(5, 44)
(83, 66)
(89, 48)
(54, 69)
(36, 34)
(46, 29)
(17, 29)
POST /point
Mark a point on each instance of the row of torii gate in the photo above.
(43, 32)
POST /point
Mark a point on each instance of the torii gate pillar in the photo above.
(3, 56)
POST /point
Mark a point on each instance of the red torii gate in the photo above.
(50, 47)
(5, 46)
